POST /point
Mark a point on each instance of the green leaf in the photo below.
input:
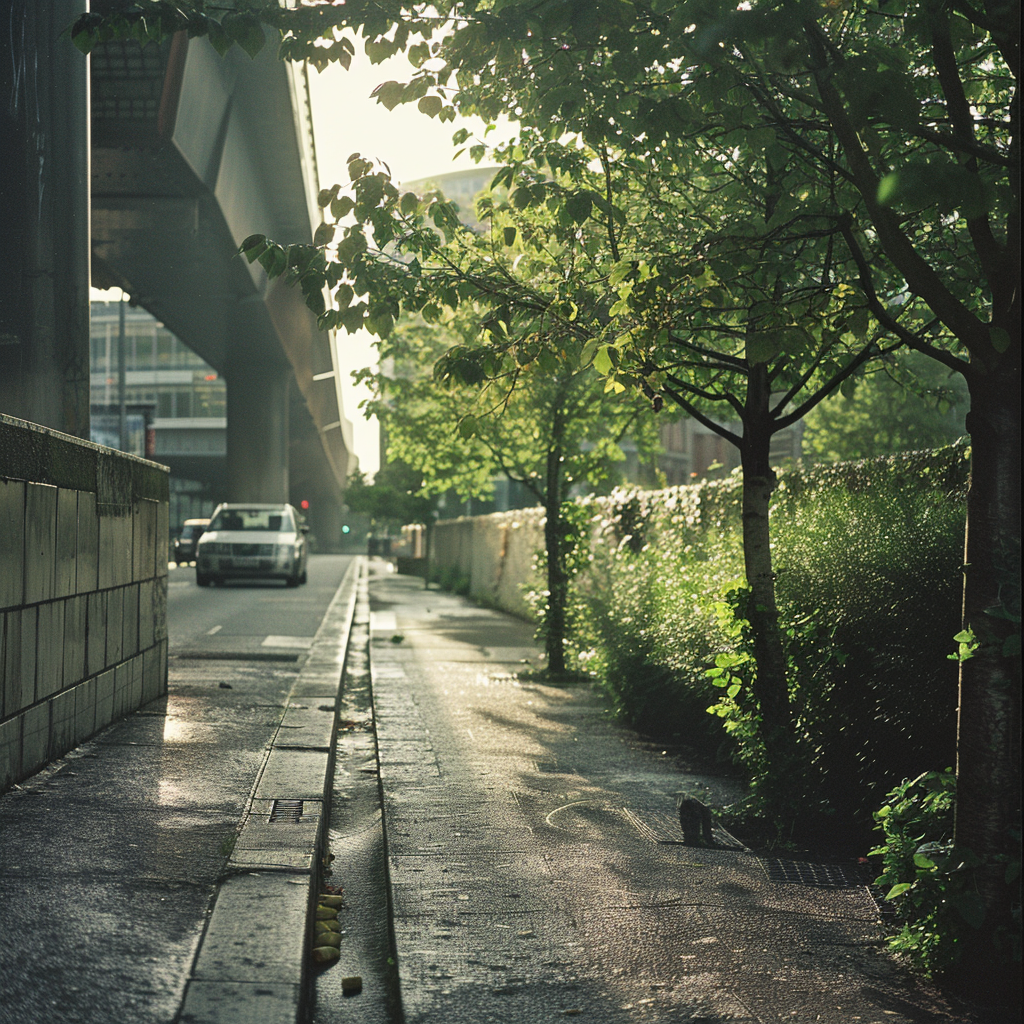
(1000, 339)
(389, 94)
(898, 890)
(409, 203)
(509, 235)
(430, 105)
(253, 247)
(342, 206)
(579, 206)
(245, 29)
(324, 235)
(326, 195)
(762, 348)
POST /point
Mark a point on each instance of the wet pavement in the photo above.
(507, 852)
(537, 868)
(138, 881)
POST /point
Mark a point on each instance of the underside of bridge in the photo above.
(191, 153)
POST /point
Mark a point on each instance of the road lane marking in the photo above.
(303, 642)
(216, 629)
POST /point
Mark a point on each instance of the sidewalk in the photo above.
(536, 866)
(165, 870)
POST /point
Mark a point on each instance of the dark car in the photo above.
(250, 541)
(185, 542)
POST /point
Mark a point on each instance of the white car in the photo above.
(253, 541)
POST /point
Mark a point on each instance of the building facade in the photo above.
(175, 405)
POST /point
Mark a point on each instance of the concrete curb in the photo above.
(252, 966)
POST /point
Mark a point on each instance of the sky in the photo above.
(347, 120)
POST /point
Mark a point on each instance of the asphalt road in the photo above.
(110, 857)
(245, 616)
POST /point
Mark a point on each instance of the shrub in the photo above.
(868, 558)
(871, 582)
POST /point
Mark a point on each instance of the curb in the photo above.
(252, 965)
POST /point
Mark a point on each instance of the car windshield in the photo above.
(273, 519)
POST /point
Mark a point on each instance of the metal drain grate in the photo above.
(286, 811)
(821, 876)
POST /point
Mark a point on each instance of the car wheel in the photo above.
(304, 578)
(292, 581)
(202, 581)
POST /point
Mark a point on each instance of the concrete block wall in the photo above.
(83, 591)
(495, 553)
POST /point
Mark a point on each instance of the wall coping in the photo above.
(30, 451)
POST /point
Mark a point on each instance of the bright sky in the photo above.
(347, 120)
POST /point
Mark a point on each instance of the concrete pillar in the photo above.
(257, 433)
(44, 217)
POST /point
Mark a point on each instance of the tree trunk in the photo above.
(988, 731)
(554, 543)
(771, 690)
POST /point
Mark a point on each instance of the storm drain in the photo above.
(286, 812)
(821, 876)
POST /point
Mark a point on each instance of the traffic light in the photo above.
(304, 505)
(345, 529)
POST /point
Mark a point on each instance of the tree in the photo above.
(463, 414)
(392, 499)
(896, 124)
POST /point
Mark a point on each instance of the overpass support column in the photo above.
(257, 432)
(44, 217)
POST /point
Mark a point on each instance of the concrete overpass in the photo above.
(190, 153)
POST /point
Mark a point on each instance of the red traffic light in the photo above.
(303, 504)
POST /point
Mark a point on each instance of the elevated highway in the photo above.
(190, 152)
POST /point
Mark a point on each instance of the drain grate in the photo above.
(286, 811)
(821, 876)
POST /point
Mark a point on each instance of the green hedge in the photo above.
(868, 559)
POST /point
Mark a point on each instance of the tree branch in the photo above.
(882, 315)
(919, 275)
(691, 410)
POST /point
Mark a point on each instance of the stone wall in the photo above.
(83, 591)
(494, 553)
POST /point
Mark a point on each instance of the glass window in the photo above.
(276, 519)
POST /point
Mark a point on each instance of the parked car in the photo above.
(253, 541)
(185, 542)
